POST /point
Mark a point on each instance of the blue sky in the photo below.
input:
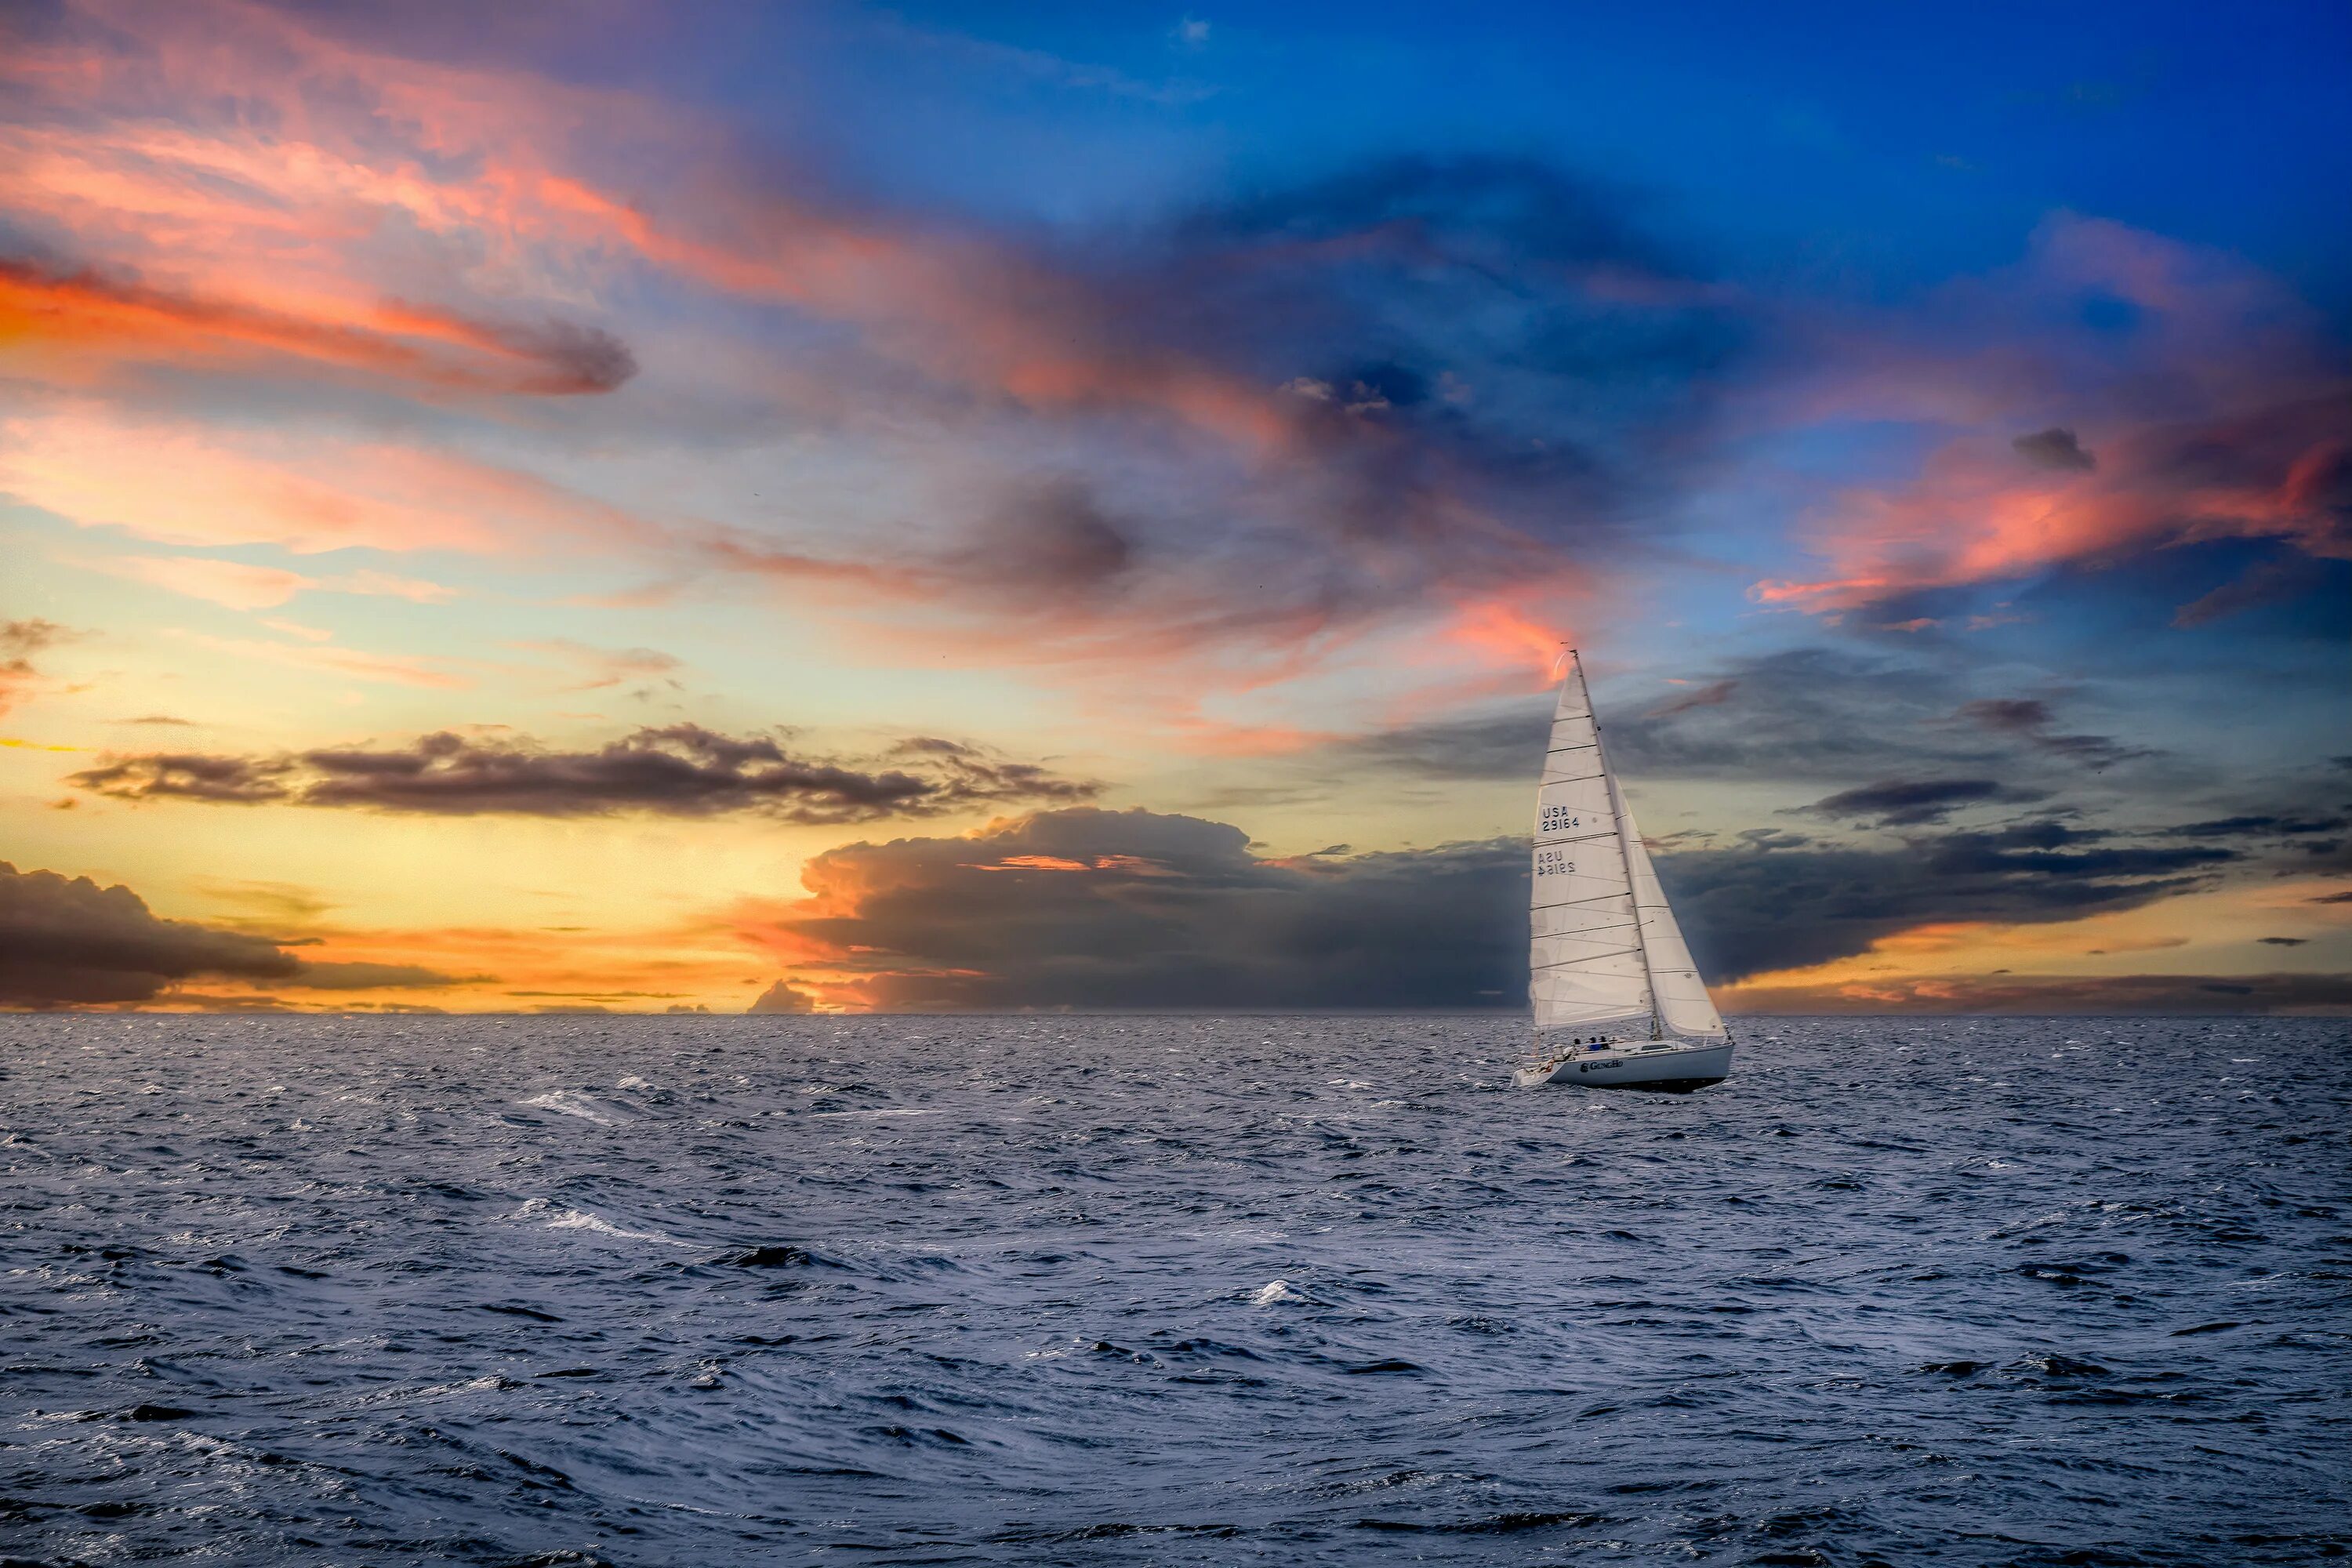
(627, 506)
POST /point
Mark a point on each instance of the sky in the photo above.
(818, 507)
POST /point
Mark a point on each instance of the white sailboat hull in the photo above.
(1672, 1068)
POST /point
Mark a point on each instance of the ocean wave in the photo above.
(1145, 1291)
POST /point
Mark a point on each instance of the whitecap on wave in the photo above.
(558, 1218)
(572, 1102)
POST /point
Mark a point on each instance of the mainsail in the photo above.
(1604, 953)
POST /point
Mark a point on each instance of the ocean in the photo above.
(1183, 1290)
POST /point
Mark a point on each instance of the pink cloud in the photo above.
(2211, 411)
(230, 583)
(240, 587)
(386, 669)
(190, 485)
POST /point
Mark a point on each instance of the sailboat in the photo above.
(1618, 1002)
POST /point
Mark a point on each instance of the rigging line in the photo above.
(1588, 958)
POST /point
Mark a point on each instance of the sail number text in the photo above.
(1549, 862)
(1556, 820)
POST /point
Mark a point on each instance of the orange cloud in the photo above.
(1973, 516)
(187, 485)
(1504, 631)
(86, 312)
(495, 165)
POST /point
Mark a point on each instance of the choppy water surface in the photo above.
(668, 1291)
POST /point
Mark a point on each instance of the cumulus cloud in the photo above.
(680, 770)
(783, 998)
(72, 940)
(1089, 908)
(69, 942)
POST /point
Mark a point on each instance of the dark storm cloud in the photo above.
(676, 770)
(69, 942)
(1085, 908)
(2081, 994)
(1092, 908)
(1914, 802)
(2262, 826)
(2297, 825)
(1754, 909)
(2054, 448)
(2031, 720)
(64, 941)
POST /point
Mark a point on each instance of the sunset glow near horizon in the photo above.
(970, 507)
